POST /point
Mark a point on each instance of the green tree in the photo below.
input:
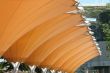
(104, 23)
(108, 5)
(24, 67)
(92, 12)
(5, 67)
(104, 17)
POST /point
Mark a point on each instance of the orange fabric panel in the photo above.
(55, 42)
(72, 52)
(32, 40)
(63, 49)
(41, 33)
(7, 9)
(86, 58)
(75, 60)
(28, 15)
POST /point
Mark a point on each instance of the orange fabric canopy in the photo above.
(41, 33)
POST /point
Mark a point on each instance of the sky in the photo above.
(94, 2)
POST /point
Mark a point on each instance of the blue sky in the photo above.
(99, 2)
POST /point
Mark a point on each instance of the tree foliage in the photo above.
(24, 67)
(104, 23)
(104, 17)
(92, 12)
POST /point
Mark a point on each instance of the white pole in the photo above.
(32, 69)
(44, 70)
(16, 67)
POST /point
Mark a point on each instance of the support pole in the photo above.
(44, 70)
(16, 67)
(32, 69)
